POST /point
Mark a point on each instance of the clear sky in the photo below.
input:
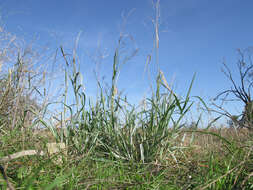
(195, 36)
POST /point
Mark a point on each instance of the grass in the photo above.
(113, 145)
(110, 143)
(209, 167)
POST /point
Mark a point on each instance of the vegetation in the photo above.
(240, 90)
(109, 143)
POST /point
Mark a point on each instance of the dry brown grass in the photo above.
(206, 140)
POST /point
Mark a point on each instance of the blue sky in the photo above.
(195, 36)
